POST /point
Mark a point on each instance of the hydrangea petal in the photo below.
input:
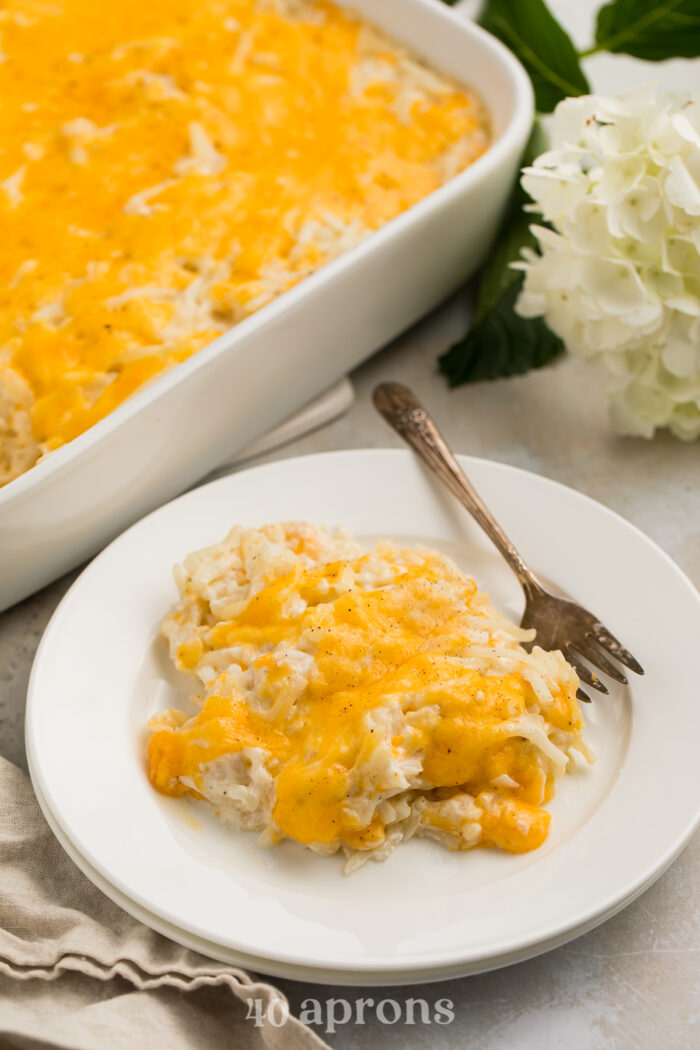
(662, 136)
(609, 335)
(639, 253)
(556, 192)
(685, 422)
(681, 358)
(680, 256)
(682, 183)
(615, 285)
(638, 213)
(621, 138)
(617, 176)
(648, 403)
(685, 304)
(586, 227)
(647, 318)
(573, 122)
(687, 124)
(531, 303)
(680, 389)
(634, 103)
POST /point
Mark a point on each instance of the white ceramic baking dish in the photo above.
(190, 420)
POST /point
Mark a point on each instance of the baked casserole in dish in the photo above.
(178, 184)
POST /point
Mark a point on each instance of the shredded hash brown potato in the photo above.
(168, 168)
(351, 699)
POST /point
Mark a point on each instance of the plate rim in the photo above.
(326, 976)
(595, 914)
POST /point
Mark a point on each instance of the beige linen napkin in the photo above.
(78, 972)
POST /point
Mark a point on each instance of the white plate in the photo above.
(101, 671)
(291, 971)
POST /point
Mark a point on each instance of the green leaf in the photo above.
(529, 29)
(496, 276)
(501, 344)
(650, 29)
(537, 144)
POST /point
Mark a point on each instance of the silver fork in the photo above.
(559, 623)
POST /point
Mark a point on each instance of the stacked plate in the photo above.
(425, 914)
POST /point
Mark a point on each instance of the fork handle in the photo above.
(403, 411)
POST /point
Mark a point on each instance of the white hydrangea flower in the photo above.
(618, 274)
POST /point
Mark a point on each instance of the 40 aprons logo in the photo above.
(331, 1014)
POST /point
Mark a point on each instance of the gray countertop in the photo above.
(634, 981)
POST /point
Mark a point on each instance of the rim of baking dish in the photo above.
(514, 132)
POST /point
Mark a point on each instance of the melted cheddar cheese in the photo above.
(361, 698)
(167, 168)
